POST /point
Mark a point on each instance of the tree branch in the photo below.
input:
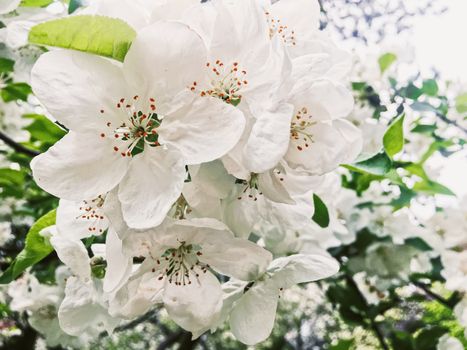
(432, 294)
(374, 326)
(17, 146)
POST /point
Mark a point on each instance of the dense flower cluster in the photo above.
(213, 133)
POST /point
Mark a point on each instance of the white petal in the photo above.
(73, 254)
(203, 130)
(164, 59)
(269, 139)
(236, 257)
(118, 264)
(74, 87)
(81, 311)
(194, 306)
(300, 268)
(8, 6)
(325, 99)
(331, 144)
(302, 16)
(252, 317)
(79, 166)
(76, 222)
(273, 188)
(153, 183)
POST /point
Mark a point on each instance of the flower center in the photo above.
(181, 264)
(139, 128)
(299, 129)
(225, 82)
(93, 212)
(280, 29)
(251, 190)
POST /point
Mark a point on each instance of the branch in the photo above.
(17, 146)
(432, 294)
(374, 325)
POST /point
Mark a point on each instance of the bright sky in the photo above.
(441, 40)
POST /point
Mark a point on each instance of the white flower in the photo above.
(82, 219)
(253, 305)
(177, 270)
(455, 270)
(5, 233)
(7, 6)
(140, 130)
(446, 342)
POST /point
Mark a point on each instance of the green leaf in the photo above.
(435, 146)
(428, 338)
(42, 130)
(423, 107)
(413, 92)
(393, 139)
(16, 91)
(6, 65)
(74, 5)
(36, 248)
(380, 164)
(432, 188)
(461, 103)
(424, 129)
(35, 3)
(321, 214)
(99, 35)
(419, 244)
(386, 60)
(430, 87)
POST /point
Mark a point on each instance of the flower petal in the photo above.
(79, 166)
(202, 130)
(300, 268)
(269, 139)
(118, 264)
(164, 59)
(76, 222)
(194, 306)
(153, 183)
(252, 317)
(74, 88)
(73, 254)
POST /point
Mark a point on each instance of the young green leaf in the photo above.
(461, 103)
(35, 3)
(16, 91)
(430, 87)
(379, 164)
(321, 215)
(386, 60)
(74, 5)
(99, 35)
(432, 188)
(36, 248)
(6, 65)
(393, 139)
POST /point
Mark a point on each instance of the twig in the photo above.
(432, 294)
(373, 324)
(17, 146)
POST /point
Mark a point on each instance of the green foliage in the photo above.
(430, 87)
(461, 103)
(36, 248)
(386, 60)
(74, 5)
(16, 91)
(99, 35)
(35, 3)
(43, 132)
(393, 139)
(321, 214)
(379, 164)
(6, 65)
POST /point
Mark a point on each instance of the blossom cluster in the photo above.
(193, 157)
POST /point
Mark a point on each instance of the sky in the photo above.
(440, 41)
